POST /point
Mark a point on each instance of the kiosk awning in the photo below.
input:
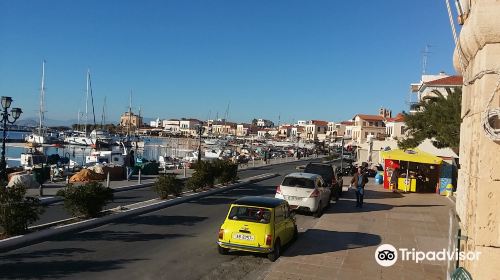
(412, 155)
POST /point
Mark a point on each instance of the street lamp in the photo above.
(199, 129)
(15, 113)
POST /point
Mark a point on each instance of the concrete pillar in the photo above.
(478, 191)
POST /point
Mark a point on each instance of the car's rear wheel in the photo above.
(222, 250)
(275, 254)
(295, 233)
(318, 211)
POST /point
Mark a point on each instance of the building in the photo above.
(262, 123)
(224, 128)
(171, 126)
(315, 130)
(129, 119)
(284, 131)
(478, 190)
(430, 83)
(348, 127)
(366, 125)
(395, 128)
(243, 129)
(156, 123)
(188, 126)
(266, 133)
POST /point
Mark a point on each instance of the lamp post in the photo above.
(199, 129)
(15, 113)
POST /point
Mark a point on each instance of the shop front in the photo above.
(411, 170)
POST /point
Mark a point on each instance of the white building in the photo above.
(424, 89)
(171, 126)
(395, 128)
(188, 126)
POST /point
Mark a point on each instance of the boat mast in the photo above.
(42, 99)
(87, 101)
(103, 117)
(92, 100)
(129, 114)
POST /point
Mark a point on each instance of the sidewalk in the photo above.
(342, 244)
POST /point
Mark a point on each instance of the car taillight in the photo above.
(221, 233)
(278, 189)
(269, 239)
(315, 193)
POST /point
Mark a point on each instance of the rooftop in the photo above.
(370, 117)
(259, 201)
(447, 81)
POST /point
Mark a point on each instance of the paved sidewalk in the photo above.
(342, 244)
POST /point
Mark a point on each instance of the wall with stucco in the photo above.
(478, 192)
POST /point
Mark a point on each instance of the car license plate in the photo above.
(245, 237)
(291, 198)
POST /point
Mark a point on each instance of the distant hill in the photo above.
(33, 122)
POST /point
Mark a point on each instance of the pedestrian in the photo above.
(129, 164)
(359, 181)
(394, 179)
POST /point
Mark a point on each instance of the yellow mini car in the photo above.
(258, 224)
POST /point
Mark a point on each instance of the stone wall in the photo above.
(478, 192)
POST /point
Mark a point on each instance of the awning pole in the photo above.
(407, 181)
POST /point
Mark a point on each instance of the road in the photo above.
(56, 211)
(174, 243)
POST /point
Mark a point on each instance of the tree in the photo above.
(438, 120)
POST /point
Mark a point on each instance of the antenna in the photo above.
(425, 57)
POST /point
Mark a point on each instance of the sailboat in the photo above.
(40, 136)
(79, 137)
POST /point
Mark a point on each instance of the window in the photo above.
(298, 182)
(279, 214)
(370, 123)
(250, 214)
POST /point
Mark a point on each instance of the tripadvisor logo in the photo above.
(387, 255)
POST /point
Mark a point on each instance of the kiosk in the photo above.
(416, 171)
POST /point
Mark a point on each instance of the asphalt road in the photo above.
(56, 211)
(178, 242)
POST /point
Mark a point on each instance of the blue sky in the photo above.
(295, 59)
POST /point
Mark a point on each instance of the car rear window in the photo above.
(250, 214)
(325, 171)
(298, 182)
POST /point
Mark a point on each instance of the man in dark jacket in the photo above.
(129, 164)
(359, 181)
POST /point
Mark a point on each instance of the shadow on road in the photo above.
(120, 236)
(164, 220)
(58, 268)
(317, 241)
(65, 252)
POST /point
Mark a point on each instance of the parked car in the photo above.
(258, 224)
(305, 191)
(332, 180)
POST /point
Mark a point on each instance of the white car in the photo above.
(304, 191)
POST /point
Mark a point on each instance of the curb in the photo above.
(20, 241)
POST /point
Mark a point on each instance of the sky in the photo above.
(282, 60)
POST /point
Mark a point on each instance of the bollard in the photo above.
(184, 166)
(67, 179)
(107, 181)
(253, 162)
(139, 179)
(40, 189)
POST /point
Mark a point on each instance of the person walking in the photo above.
(129, 164)
(359, 181)
(394, 180)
